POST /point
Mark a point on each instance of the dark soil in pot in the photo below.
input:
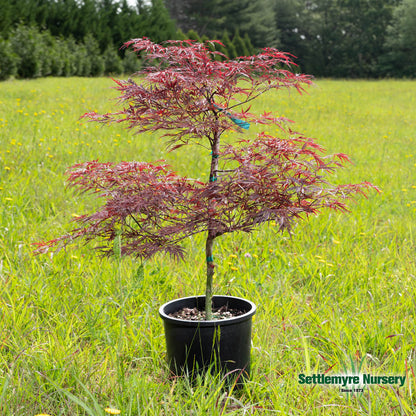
(195, 314)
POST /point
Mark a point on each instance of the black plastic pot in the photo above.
(222, 345)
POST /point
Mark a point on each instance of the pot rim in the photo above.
(213, 322)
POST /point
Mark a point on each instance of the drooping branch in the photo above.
(272, 179)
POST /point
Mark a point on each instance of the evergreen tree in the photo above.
(64, 19)
(256, 19)
(364, 26)
(209, 17)
(240, 45)
(289, 24)
(180, 35)
(192, 35)
(6, 18)
(88, 20)
(321, 38)
(249, 45)
(180, 11)
(158, 25)
(220, 48)
(400, 57)
(231, 51)
(107, 16)
(123, 25)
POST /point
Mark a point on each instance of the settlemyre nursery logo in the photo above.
(351, 383)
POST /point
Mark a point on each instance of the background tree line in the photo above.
(75, 37)
(332, 38)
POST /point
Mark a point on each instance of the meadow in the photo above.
(79, 334)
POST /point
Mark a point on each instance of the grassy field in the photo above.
(79, 334)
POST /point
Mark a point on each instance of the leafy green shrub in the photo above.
(80, 62)
(52, 57)
(8, 60)
(25, 41)
(68, 58)
(113, 63)
(97, 64)
(131, 63)
(83, 61)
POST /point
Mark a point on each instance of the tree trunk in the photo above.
(210, 277)
(212, 232)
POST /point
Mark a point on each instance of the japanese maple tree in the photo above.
(185, 91)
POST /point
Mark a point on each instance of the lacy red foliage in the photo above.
(185, 90)
(192, 96)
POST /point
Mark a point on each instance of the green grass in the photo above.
(78, 334)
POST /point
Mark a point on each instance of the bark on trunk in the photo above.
(211, 230)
